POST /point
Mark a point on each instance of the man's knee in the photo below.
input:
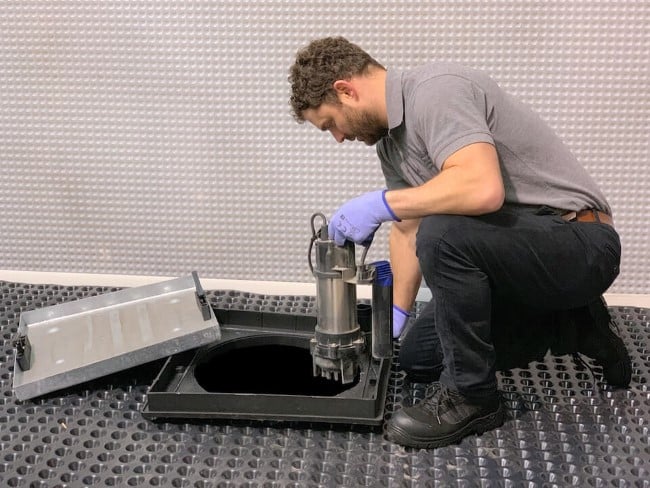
(441, 231)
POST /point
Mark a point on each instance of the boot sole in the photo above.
(477, 426)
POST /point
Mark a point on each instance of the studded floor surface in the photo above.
(560, 431)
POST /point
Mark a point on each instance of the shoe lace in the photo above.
(577, 357)
(433, 401)
(614, 325)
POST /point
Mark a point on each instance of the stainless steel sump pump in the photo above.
(339, 343)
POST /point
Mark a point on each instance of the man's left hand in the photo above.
(358, 219)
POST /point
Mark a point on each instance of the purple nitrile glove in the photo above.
(358, 219)
(400, 317)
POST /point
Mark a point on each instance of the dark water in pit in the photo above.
(251, 367)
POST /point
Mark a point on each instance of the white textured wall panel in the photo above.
(154, 137)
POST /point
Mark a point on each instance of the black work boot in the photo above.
(597, 339)
(444, 417)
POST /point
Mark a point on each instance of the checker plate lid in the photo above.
(88, 338)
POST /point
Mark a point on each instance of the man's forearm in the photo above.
(404, 263)
(470, 183)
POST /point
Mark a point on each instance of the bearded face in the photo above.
(363, 126)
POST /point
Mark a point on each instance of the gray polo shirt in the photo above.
(438, 108)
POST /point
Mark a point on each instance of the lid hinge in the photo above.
(23, 352)
(201, 298)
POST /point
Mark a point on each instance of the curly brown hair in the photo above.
(318, 66)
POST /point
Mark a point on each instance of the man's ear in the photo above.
(345, 89)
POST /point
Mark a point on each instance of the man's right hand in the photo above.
(358, 219)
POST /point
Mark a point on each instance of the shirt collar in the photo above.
(394, 101)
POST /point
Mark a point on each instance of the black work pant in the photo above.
(508, 271)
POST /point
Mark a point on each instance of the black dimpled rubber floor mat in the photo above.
(561, 429)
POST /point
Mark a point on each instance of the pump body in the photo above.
(339, 343)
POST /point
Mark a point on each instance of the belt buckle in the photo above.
(570, 216)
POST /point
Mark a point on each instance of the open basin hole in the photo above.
(273, 364)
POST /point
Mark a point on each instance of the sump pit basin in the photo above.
(264, 373)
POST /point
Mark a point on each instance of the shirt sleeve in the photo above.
(451, 112)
